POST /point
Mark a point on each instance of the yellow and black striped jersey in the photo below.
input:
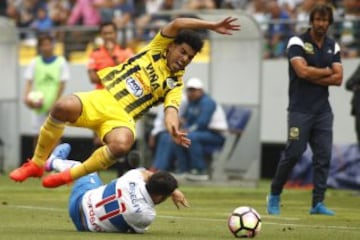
(144, 80)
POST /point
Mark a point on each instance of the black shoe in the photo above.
(133, 159)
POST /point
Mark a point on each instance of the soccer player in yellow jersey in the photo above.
(151, 77)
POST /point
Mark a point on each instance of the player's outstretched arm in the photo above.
(172, 124)
(179, 199)
(226, 26)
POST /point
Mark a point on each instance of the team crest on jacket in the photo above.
(309, 48)
(294, 133)
(171, 83)
(134, 87)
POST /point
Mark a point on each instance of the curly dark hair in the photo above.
(161, 183)
(191, 38)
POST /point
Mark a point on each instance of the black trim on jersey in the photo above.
(156, 57)
(122, 77)
(175, 78)
(132, 106)
(166, 92)
(140, 114)
(111, 74)
(160, 100)
(137, 56)
(164, 84)
(121, 94)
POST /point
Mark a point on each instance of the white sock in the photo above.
(61, 165)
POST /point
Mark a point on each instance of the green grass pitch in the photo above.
(28, 211)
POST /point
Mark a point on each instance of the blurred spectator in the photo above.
(121, 13)
(302, 13)
(149, 24)
(3, 8)
(45, 77)
(348, 30)
(234, 4)
(290, 5)
(42, 22)
(85, 13)
(199, 4)
(257, 9)
(27, 10)
(143, 16)
(279, 30)
(11, 9)
(353, 85)
(59, 11)
(109, 54)
(105, 9)
(139, 8)
(24, 13)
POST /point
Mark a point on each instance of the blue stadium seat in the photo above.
(237, 118)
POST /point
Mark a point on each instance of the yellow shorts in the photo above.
(102, 113)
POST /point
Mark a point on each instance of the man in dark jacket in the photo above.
(353, 84)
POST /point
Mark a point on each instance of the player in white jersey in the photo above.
(124, 205)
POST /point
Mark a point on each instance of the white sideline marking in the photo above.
(266, 222)
(281, 218)
(214, 219)
(37, 208)
(205, 219)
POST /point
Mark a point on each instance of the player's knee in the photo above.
(119, 148)
(119, 141)
(66, 109)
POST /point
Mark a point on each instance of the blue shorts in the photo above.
(81, 186)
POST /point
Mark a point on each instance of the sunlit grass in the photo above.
(28, 211)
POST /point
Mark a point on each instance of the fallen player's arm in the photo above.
(179, 199)
(177, 196)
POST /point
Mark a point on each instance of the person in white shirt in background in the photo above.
(46, 77)
(205, 121)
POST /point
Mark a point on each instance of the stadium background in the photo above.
(266, 77)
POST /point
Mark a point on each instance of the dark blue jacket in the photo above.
(198, 113)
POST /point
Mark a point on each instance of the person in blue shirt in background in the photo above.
(205, 122)
(160, 141)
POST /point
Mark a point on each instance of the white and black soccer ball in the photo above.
(244, 222)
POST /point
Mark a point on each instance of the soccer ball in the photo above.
(37, 97)
(244, 222)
